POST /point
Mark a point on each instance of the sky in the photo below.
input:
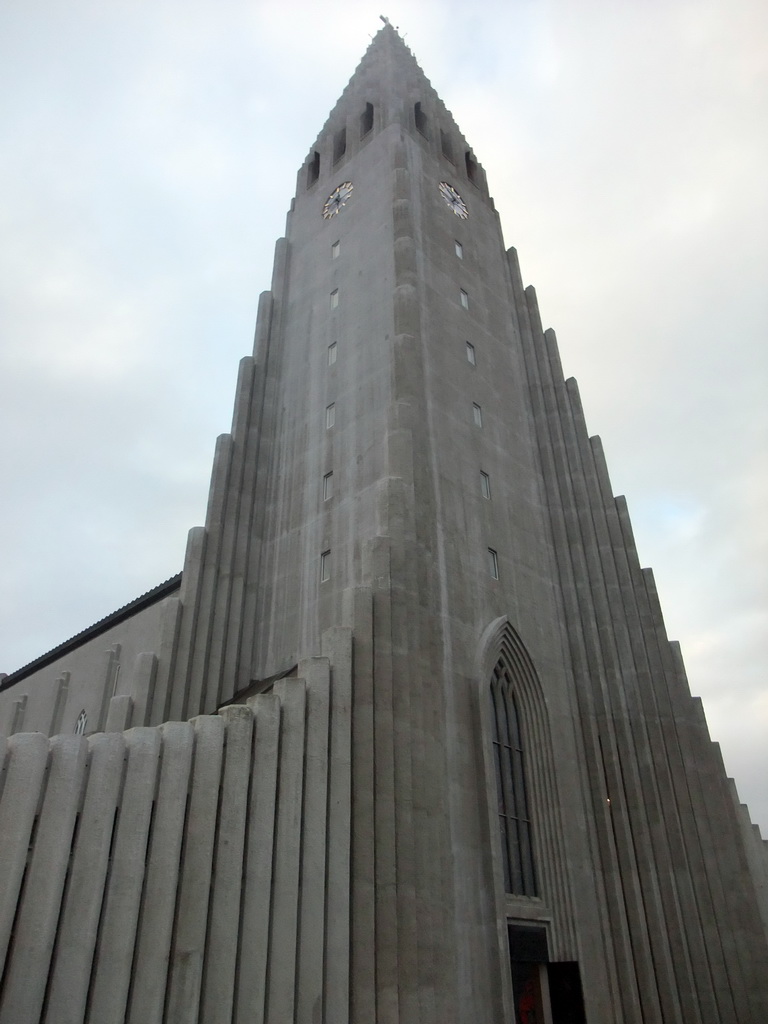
(148, 154)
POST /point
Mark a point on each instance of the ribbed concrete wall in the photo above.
(195, 871)
(688, 942)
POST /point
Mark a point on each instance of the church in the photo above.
(405, 741)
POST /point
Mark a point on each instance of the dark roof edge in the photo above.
(139, 604)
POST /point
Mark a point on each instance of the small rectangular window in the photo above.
(334, 298)
(327, 486)
(471, 354)
(325, 566)
(330, 416)
(471, 165)
(446, 146)
(339, 144)
(313, 169)
(421, 119)
(477, 414)
(366, 120)
(332, 354)
(335, 250)
(464, 299)
(459, 250)
(493, 564)
(485, 484)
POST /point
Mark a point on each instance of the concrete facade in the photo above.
(411, 730)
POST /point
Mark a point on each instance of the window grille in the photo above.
(511, 789)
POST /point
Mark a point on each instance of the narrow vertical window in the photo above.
(330, 416)
(325, 566)
(485, 484)
(471, 165)
(471, 353)
(81, 723)
(459, 249)
(327, 486)
(335, 250)
(464, 299)
(332, 354)
(493, 564)
(339, 144)
(477, 414)
(334, 298)
(421, 120)
(313, 169)
(446, 146)
(366, 120)
(511, 789)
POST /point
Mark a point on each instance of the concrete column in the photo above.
(281, 983)
(114, 954)
(166, 659)
(246, 429)
(169, 638)
(240, 659)
(219, 980)
(188, 953)
(62, 690)
(81, 911)
(144, 672)
(111, 667)
(191, 582)
(312, 909)
(153, 939)
(337, 646)
(214, 525)
(24, 770)
(35, 926)
(250, 1005)
(119, 714)
(358, 614)
(227, 605)
(18, 715)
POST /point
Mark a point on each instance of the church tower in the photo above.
(408, 744)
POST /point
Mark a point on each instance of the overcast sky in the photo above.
(148, 153)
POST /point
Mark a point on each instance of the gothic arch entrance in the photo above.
(533, 898)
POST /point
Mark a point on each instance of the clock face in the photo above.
(454, 200)
(337, 199)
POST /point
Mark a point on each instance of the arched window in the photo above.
(514, 819)
(81, 723)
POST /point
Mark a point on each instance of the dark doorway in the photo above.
(542, 991)
(527, 952)
(565, 993)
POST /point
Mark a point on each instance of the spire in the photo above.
(389, 87)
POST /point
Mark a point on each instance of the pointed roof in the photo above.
(390, 78)
(389, 81)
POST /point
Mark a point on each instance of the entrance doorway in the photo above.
(543, 992)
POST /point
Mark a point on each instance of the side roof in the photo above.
(139, 604)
